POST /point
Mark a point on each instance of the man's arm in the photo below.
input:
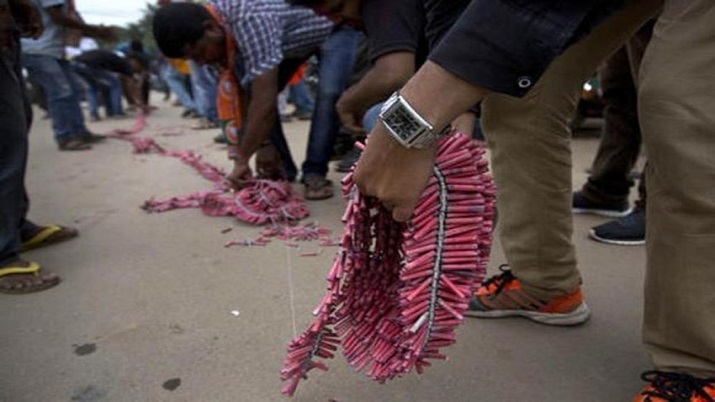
(61, 18)
(260, 118)
(390, 72)
(491, 48)
(395, 174)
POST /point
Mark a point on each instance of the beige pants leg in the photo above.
(531, 155)
(677, 117)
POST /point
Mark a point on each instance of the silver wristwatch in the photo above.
(406, 125)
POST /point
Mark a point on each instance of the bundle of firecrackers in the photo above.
(258, 203)
(397, 291)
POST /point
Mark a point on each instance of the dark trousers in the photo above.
(15, 118)
(620, 144)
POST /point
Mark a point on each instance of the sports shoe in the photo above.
(676, 387)
(626, 231)
(583, 205)
(502, 296)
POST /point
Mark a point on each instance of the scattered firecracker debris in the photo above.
(313, 253)
(260, 242)
(397, 292)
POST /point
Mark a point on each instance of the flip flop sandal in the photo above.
(49, 234)
(29, 279)
(318, 189)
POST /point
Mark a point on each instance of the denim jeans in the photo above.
(99, 82)
(336, 58)
(205, 82)
(14, 123)
(177, 83)
(300, 96)
(63, 93)
(370, 118)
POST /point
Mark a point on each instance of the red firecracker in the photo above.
(397, 292)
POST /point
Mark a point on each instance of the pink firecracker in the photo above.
(397, 292)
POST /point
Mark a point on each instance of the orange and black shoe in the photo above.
(676, 387)
(502, 296)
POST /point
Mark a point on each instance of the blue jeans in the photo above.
(14, 124)
(205, 83)
(99, 82)
(370, 118)
(301, 97)
(62, 89)
(177, 83)
(336, 58)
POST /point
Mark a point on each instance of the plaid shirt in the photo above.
(267, 31)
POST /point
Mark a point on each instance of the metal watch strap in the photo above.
(421, 133)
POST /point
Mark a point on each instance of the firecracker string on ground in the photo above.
(261, 202)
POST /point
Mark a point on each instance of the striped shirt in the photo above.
(267, 31)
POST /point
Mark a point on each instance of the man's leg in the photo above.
(91, 88)
(205, 91)
(302, 98)
(175, 82)
(16, 276)
(113, 88)
(609, 183)
(61, 97)
(72, 106)
(606, 192)
(336, 58)
(677, 116)
(531, 161)
(13, 160)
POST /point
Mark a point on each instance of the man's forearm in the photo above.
(384, 78)
(440, 96)
(261, 118)
(262, 114)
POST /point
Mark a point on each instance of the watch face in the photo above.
(401, 122)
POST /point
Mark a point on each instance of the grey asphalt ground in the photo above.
(144, 312)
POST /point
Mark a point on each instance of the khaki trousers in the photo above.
(677, 117)
(531, 157)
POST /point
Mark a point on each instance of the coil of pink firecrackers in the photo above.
(261, 202)
(397, 292)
